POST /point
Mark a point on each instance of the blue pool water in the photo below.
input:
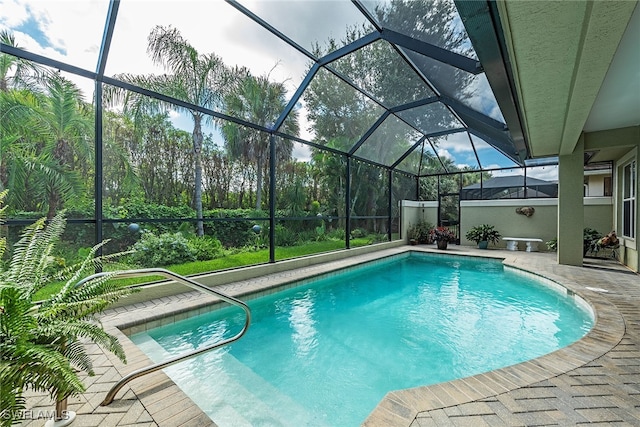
(325, 353)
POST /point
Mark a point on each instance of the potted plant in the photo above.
(483, 234)
(590, 237)
(412, 234)
(442, 236)
(42, 342)
(419, 233)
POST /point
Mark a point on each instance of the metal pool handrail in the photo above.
(185, 281)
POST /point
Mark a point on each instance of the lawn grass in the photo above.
(236, 260)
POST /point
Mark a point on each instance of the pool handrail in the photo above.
(179, 358)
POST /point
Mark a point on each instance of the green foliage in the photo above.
(378, 238)
(590, 238)
(165, 249)
(41, 345)
(420, 232)
(483, 232)
(235, 230)
(590, 234)
(357, 233)
(336, 234)
(205, 247)
(321, 232)
(286, 236)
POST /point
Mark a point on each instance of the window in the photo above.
(629, 200)
(608, 187)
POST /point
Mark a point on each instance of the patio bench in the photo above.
(532, 243)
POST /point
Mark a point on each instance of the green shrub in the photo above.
(378, 238)
(165, 249)
(483, 232)
(358, 233)
(337, 234)
(234, 228)
(205, 248)
(285, 236)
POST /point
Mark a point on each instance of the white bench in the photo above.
(512, 243)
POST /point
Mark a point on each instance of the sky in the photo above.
(72, 30)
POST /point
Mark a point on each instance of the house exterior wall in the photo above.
(629, 250)
(598, 214)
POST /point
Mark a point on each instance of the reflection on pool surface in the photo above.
(326, 352)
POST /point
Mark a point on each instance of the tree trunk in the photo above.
(197, 156)
(259, 183)
(61, 409)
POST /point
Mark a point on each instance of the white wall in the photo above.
(595, 185)
(598, 214)
(412, 212)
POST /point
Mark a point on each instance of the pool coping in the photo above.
(399, 407)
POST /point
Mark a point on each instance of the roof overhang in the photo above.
(560, 53)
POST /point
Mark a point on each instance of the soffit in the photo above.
(560, 53)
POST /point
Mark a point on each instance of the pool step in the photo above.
(259, 403)
(231, 393)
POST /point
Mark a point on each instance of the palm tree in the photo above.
(15, 72)
(41, 343)
(260, 101)
(46, 139)
(68, 124)
(199, 79)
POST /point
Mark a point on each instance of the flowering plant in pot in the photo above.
(483, 235)
(442, 236)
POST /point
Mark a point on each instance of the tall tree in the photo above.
(260, 101)
(120, 180)
(68, 126)
(17, 73)
(199, 79)
(47, 141)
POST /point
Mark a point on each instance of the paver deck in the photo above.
(594, 381)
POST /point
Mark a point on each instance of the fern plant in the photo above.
(41, 343)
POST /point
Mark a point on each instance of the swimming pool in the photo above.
(325, 352)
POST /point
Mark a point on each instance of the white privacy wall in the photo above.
(598, 214)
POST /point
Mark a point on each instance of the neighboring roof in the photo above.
(512, 186)
(509, 181)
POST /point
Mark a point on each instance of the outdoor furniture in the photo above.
(532, 243)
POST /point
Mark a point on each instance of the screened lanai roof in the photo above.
(409, 83)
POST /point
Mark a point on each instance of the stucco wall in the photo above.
(413, 212)
(598, 214)
(502, 214)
